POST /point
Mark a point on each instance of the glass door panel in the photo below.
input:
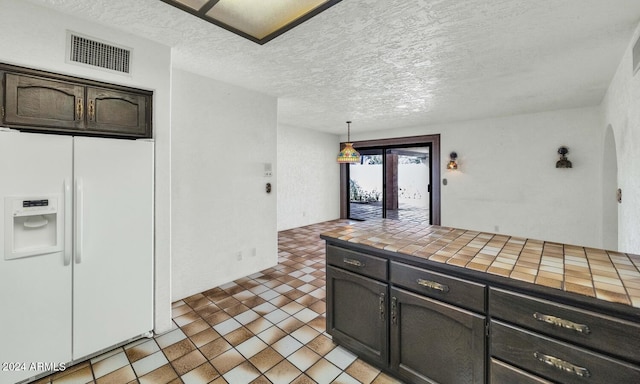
(407, 194)
(365, 186)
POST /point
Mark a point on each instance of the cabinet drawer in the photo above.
(449, 289)
(556, 360)
(590, 329)
(361, 263)
(502, 373)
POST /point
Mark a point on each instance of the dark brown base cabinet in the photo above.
(359, 307)
(414, 337)
(433, 342)
(505, 374)
(38, 101)
(560, 342)
(427, 323)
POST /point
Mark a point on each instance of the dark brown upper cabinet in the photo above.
(112, 111)
(41, 102)
(38, 101)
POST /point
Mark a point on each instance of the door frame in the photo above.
(434, 168)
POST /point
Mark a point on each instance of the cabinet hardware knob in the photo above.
(562, 365)
(433, 285)
(92, 111)
(355, 263)
(394, 310)
(79, 104)
(562, 323)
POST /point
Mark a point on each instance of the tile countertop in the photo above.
(605, 275)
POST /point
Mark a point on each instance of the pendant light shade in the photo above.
(348, 154)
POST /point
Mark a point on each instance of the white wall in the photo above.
(35, 37)
(507, 177)
(223, 136)
(609, 191)
(622, 111)
(308, 177)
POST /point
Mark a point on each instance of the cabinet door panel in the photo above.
(35, 102)
(357, 314)
(435, 342)
(117, 112)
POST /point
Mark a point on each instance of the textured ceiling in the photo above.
(388, 64)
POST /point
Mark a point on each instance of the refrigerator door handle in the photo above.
(68, 223)
(79, 220)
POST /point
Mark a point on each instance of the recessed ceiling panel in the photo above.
(261, 18)
(256, 20)
(193, 4)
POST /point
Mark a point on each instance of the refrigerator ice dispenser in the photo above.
(33, 226)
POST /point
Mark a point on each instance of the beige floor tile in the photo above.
(239, 332)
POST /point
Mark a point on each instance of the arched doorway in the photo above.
(609, 192)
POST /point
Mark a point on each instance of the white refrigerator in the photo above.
(76, 250)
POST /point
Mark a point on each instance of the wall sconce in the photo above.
(452, 163)
(563, 162)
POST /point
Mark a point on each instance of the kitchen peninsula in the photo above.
(438, 304)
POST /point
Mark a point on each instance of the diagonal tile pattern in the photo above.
(268, 327)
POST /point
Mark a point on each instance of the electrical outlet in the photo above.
(253, 252)
(238, 256)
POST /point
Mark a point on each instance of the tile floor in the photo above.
(265, 328)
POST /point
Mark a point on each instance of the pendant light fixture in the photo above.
(348, 154)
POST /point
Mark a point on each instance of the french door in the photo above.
(395, 179)
(366, 186)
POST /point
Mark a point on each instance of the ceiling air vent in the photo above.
(636, 57)
(98, 54)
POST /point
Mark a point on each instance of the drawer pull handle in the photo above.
(558, 322)
(394, 310)
(355, 263)
(79, 115)
(382, 306)
(433, 285)
(92, 111)
(562, 365)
